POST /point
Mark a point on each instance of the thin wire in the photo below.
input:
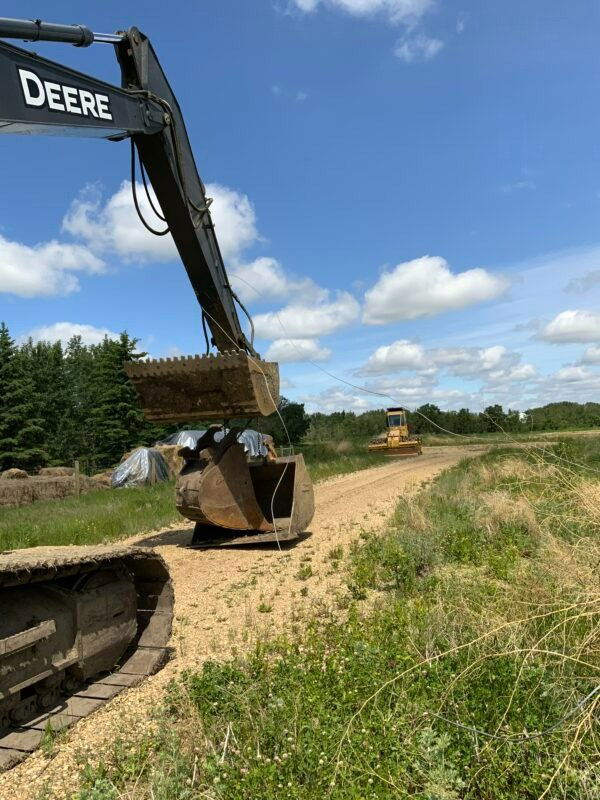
(353, 385)
(405, 408)
(275, 405)
(135, 199)
(521, 737)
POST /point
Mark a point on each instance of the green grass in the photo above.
(92, 518)
(483, 610)
(498, 438)
(106, 516)
(329, 459)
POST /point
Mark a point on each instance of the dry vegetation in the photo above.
(472, 671)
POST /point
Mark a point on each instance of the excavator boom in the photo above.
(42, 97)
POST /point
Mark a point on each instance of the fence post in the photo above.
(77, 485)
(152, 471)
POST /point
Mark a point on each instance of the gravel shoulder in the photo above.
(229, 598)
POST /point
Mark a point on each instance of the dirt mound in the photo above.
(13, 474)
(56, 472)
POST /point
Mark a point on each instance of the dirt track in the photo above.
(227, 599)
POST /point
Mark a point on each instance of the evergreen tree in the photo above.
(116, 418)
(21, 431)
(53, 399)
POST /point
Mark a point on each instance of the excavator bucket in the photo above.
(213, 387)
(235, 502)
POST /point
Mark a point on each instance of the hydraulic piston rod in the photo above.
(34, 30)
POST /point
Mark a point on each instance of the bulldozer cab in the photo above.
(396, 418)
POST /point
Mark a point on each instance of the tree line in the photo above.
(429, 418)
(61, 403)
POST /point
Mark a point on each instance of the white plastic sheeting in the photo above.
(142, 467)
(253, 441)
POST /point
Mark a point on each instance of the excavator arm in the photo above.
(41, 96)
(217, 488)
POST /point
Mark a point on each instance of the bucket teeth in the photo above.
(213, 387)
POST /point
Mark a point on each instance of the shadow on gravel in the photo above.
(182, 537)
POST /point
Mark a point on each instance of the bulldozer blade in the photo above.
(213, 387)
(409, 450)
(225, 496)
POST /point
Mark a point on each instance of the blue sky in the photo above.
(412, 187)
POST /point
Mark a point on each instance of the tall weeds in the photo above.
(471, 673)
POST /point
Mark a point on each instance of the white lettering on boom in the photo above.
(59, 97)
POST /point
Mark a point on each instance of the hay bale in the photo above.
(170, 453)
(22, 493)
(14, 474)
(56, 472)
(102, 480)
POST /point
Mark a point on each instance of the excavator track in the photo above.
(78, 625)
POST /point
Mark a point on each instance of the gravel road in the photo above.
(226, 599)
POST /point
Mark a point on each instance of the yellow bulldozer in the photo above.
(396, 439)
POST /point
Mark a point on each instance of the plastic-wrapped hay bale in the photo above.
(186, 438)
(253, 441)
(144, 466)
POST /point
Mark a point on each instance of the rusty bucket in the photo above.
(236, 502)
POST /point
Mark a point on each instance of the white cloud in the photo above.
(413, 45)
(425, 287)
(113, 225)
(289, 350)
(407, 12)
(573, 373)
(585, 283)
(517, 186)
(341, 399)
(417, 47)
(407, 392)
(572, 326)
(591, 355)
(265, 278)
(492, 365)
(45, 269)
(573, 382)
(461, 22)
(308, 320)
(400, 355)
(471, 362)
(64, 331)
